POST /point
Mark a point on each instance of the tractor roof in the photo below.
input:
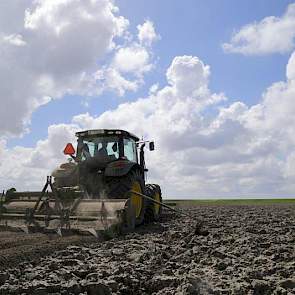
(104, 132)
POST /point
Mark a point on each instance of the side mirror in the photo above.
(151, 146)
(69, 150)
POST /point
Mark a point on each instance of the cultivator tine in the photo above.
(48, 182)
(1, 203)
(103, 216)
(62, 232)
(25, 229)
(2, 199)
(93, 232)
(59, 231)
(76, 204)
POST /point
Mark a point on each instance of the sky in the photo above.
(212, 82)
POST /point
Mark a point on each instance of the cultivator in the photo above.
(51, 212)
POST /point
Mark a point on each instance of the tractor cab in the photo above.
(100, 147)
(107, 145)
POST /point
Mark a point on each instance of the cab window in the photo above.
(106, 146)
(130, 149)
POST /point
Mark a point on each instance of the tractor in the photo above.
(102, 185)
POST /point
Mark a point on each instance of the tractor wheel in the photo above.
(154, 210)
(119, 188)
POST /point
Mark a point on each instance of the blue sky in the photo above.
(72, 65)
(192, 27)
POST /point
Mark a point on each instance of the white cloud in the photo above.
(112, 79)
(134, 59)
(53, 48)
(167, 116)
(242, 151)
(188, 75)
(27, 168)
(204, 145)
(53, 43)
(270, 35)
(14, 39)
(146, 33)
(154, 88)
(174, 105)
(290, 72)
(125, 72)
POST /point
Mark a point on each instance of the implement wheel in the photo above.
(154, 210)
(119, 188)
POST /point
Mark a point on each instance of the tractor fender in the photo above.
(120, 168)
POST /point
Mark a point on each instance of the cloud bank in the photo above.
(270, 35)
(205, 146)
(52, 48)
(239, 151)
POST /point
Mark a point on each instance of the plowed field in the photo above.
(249, 250)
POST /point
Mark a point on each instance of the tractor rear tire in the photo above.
(153, 211)
(119, 188)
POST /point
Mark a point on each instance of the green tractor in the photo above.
(103, 184)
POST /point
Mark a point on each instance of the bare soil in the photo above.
(249, 250)
(16, 247)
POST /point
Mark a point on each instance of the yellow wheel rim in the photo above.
(136, 200)
(157, 206)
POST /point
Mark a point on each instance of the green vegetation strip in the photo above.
(190, 202)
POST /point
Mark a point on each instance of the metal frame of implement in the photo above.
(68, 220)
